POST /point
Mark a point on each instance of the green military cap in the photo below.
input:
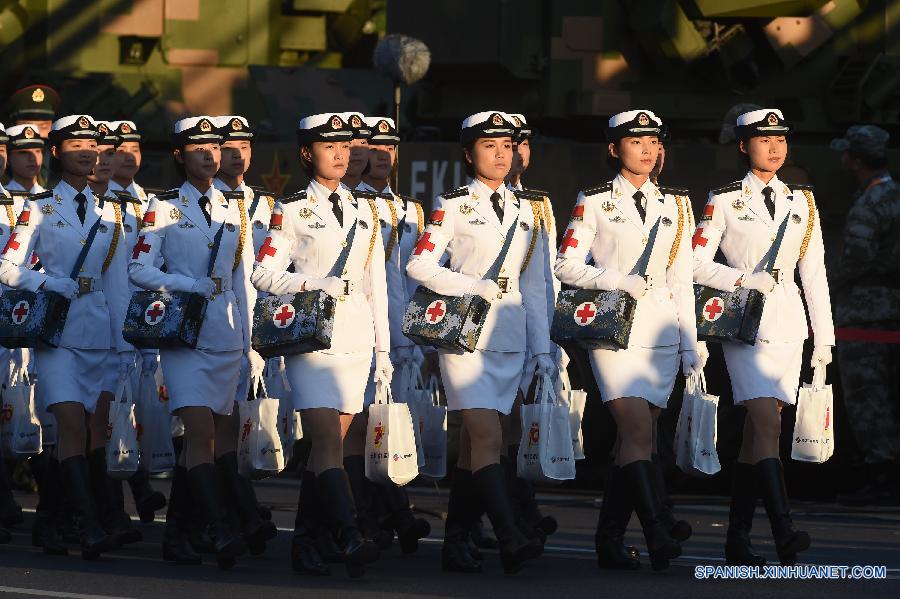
(37, 102)
(866, 140)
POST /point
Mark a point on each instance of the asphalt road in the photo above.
(840, 537)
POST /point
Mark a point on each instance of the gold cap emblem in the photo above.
(643, 120)
(205, 126)
(335, 122)
(497, 119)
(383, 126)
(84, 123)
(236, 124)
(28, 132)
(37, 95)
(772, 119)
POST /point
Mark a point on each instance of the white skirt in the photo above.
(67, 374)
(764, 370)
(646, 372)
(481, 379)
(198, 378)
(321, 380)
(110, 376)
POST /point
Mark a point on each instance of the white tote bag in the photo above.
(122, 449)
(434, 433)
(290, 428)
(154, 423)
(390, 440)
(813, 428)
(259, 453)
(22, 432)
(574, 400)
(546, 454)
(697, 429)
(410, 389)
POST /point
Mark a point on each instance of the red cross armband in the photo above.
(145, 249)
(274, 252)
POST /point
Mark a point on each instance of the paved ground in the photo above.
(840, 537)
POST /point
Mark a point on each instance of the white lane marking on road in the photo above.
(42, 593)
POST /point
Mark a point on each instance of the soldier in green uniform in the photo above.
(36, 105)
(866, 284)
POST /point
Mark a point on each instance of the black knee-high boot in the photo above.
(615, 512)
(333, 489)
(76, 480)
(401, 519)
(660, 545)
(206, 491)
(363, 490)
(256, 530)
(176, 546)
(515, 548)
(788, 542)
(147, 500)
(305, 558)
(738, 549)
(524, 501)
(462, 511)
(43, 532)
(680, 530)
(10, 511)
(110, 502)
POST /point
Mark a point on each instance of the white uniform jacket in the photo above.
(49, 227)
(737, 221)
(259, 204)
(175, 228)
(305, 232)
(398, 222)
(606, 223)
(465, 225)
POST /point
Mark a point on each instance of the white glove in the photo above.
(633, 285)
(760, 281)
(126, 363)
(406, 354)
(487, 289)
(333, 286)
(64, 286)
(257, 363)
(384, 370)
(204, 287)
(703, 352)
(821, 356)
(544, 365)
(690, 362)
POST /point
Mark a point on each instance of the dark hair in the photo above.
(869, 161)
(614, 162)
(306, 165)
(468, 167)
(179, 166)
(54, 165)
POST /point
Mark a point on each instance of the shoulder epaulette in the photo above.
(6, 200)
(168, 195)
(294, 197)
(233, 195)
(800, 187)
(262, 191)
(675, 191)
(366, 195)
(409, 199)
(534, 195)
(125, 196)
(456, 193)
(38, 196)
(599, 189)
(733, 186)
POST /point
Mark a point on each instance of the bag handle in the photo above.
(818, 380)
(259, 382)
(696, 382)
(544, 391)
(124, 388)
(383, 393)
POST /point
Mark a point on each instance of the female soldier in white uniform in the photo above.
(181, 225)
(741, 219)
(26, 157)
(359, 152)
(613, 222)
(309, 230)
(398, 217)
(471, 224)
(7, 222)
(56, 224)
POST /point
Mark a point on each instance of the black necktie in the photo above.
(335, 200)
(82, 207)
(204, 207)
(639, 204)
(768, 192)
(496, 200)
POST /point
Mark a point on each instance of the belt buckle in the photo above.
(503, 284)
(217, 281)
(776, 274)
(85, 285)
(343, 297)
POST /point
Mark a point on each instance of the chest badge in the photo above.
(465, 209)
(316, 226)
(184, 201)
(59, 224)
(608, 206)
(666, 221)
(738, 204)
(795, 218)
(617, 219)
(47, 209)
(305, 213)
(477, 221)
(175, 214)
(747, 218)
